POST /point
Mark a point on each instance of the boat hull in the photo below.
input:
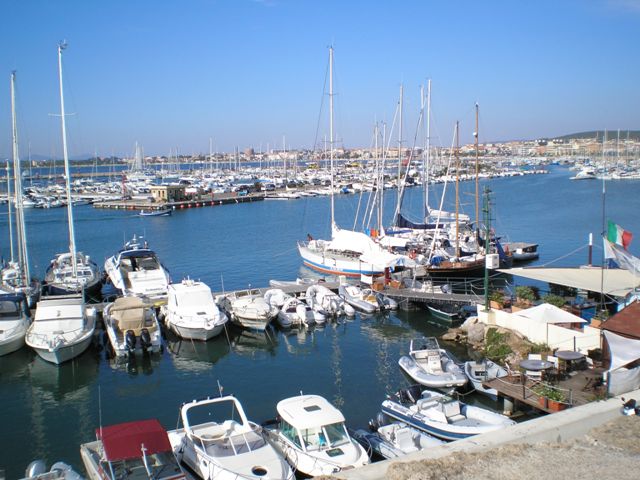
(194, 333)
(445, 380)
(63, 354)
(12, 344)
(337, 265)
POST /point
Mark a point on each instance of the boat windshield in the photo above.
(328, 436)
(9, 310)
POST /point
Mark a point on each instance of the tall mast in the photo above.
(457, 189)
(67, 174)
(427, 166)
(475, 134)
(9, 211)
(401, 101)
(20, 227)
(331, 128)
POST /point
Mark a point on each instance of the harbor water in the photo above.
(48, 411)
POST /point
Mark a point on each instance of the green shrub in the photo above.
(555, 300)
(497, 296)
(539, 348)
(496, 347)
(525, 293)
(549, 392)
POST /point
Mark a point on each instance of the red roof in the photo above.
(125, 440)
(626, 322)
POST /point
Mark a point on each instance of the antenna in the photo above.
(100, 409)
(220, 387)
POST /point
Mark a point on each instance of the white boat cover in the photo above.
(614, 281)
(623, 350)
(352, 241)
(547, 313)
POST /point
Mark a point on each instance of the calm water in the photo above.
(47, 411)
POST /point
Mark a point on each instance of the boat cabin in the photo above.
(131, 313)
(312, 423)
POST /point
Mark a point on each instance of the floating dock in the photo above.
(204, 201)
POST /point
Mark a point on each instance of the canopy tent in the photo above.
(548, 313)
(623, 350)
(615, 282)
(126, 440)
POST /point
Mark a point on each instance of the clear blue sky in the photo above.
(172, 74)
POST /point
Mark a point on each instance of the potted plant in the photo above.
(497, 299)
(555, 300)
(525, 296)
(550, 397)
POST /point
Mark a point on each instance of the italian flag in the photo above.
(617, 234)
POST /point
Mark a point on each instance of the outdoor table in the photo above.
(569, 356)
(535, 365)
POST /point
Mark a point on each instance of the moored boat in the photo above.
(139, 449)
(218, 442)
(483, 371)
(15, 319)
(312, 436)
(62, 328)
(191, 312)
(395, 439)
(432, 366)
(162, 212)
(248, 309)
(132, 327)
(442, 416)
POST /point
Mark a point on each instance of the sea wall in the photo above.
(557, 427)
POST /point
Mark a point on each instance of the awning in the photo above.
(126, 440)
(613, 281)
(548, 313)
(623, 350)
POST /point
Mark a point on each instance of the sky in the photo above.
(172, 75)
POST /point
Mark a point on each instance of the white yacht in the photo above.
(62, 328)
(15, 318)
(132, 327)
(191, 313)
(135, 270)
(218, 442)
(248, 309)
(312, 436)
(63, 277)
(432, 366)
(132, 450)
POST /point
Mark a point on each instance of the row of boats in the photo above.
(216, 440)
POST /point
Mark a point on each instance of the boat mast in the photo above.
(67, 174)
(457, 150)
(475, 134)
(23, 257)
(400, 102)
(331, 131)
(427, 166)
(9, 211)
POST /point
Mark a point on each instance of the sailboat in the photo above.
(72, 271)
(15, 277)
(348, 252)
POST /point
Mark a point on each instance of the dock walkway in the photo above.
(407, 296)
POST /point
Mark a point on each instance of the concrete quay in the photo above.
(557, 428)
(204, 201)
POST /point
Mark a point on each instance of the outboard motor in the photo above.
(35, 468)
(411, 394)
(130, 340)
(381, 303)
(65, 471)
(145, 339)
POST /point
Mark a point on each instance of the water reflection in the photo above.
(196, 356)
(253, 343)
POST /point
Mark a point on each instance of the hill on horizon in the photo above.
(599, 135)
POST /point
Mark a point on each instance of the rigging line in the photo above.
(565, 256)
(324, 89)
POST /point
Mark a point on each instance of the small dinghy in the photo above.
(163, 212)
(395, 440)
(432, 366)
(365, 299)
(442, 416)
(324, 301)
(480, 372)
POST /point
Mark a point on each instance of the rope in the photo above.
(565, 256)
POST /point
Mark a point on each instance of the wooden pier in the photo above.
(408, 297)
(204, 201)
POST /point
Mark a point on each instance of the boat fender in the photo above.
(145, 339)
(130, 340)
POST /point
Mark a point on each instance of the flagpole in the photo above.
(604, 191)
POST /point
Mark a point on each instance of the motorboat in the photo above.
(365, 299)
(480, 372)
(521, 251)
(324, 301)
(191, 312)
(15, 319)
(136, 270)
(248, 309)
(13, 280)
(432, 366)
(62, 328)
(62, 277)
(162, 212)
(218, 442)
(442, 416)
(292, 311)
(395, 439)
(312, 436)
(132, 450)
(132, 327)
